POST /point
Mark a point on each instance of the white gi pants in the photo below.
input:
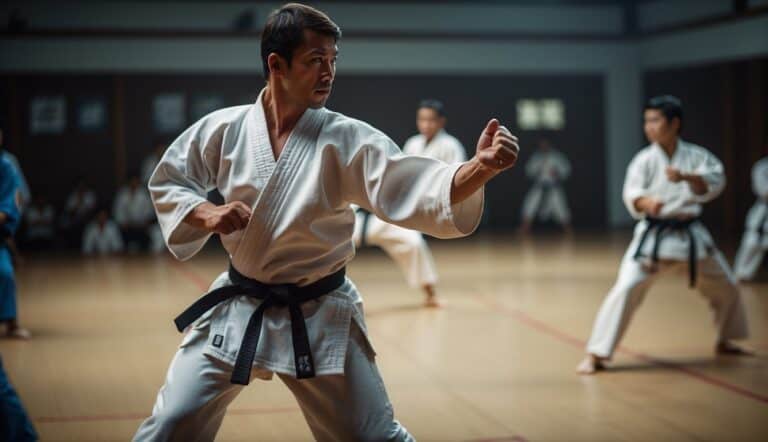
(406, 247)
(548, 202)
(753, 244)
(350, 407)
(714, 281)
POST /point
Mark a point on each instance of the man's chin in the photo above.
(318, 104)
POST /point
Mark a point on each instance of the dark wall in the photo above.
(724, 109)
(388, 102)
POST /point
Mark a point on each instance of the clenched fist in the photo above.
(222, 219)
(497, 148)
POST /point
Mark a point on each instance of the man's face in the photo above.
(309, 79)
(429, 122)
(658, 129)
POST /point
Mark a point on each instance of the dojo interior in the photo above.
(89, 89)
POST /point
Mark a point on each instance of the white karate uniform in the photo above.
(132, 207)
(102, 241)
(300, 231)
(80, 205)
(755, 240)
(407, 247)
(548, 169)
(646, 176)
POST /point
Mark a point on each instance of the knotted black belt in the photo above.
(277, 295)
(662, 225)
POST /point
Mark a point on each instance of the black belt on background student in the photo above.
(272, 295)
(662, 225)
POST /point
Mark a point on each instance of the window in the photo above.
(533, 114)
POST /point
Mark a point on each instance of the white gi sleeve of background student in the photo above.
(181, 182)
(760, 178)
(711, 170)
(409, 191)
(635, 184)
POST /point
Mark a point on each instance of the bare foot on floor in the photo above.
(431, 300)
(19, 333)
(727, 348)
(590, 365)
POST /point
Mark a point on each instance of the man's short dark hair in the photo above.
(284, 30)
(435, 105)
(670, 106)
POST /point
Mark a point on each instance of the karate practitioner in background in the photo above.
(133, 212)
(548, 168)
(289, 169)
(666, 185)
(407, 247)
(102, 236)
(10, 217)
(755, 239)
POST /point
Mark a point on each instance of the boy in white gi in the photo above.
(755, 239)
(407, 247)
(288, 169)
(666, 185)
(548, 168)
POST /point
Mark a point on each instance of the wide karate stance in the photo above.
(754, 243)
(289, 169)
(666, 185)
(407, 247)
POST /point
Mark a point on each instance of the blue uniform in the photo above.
(14, 423)
(9, 185)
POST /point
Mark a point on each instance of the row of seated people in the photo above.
(91, 227)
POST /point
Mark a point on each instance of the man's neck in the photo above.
(281, 115)
(670, 147)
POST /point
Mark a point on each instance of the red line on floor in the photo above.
(560, 335)
(141, 416)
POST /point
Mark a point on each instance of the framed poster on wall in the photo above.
(47, 115)
(168, 113)
(91, 114)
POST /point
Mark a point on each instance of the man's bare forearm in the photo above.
(697, 183)
(470, 177)
(196, 218)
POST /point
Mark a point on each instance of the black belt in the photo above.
(364, 227)
(670, 224)
(278, 295)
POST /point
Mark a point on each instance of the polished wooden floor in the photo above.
(495, 364)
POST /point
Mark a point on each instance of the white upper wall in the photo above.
(662, 13)
(742, 39)
(380, 16)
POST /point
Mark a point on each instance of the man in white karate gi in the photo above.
(289, 169)
(755, 239)
(407, 247)
(666, 185)
(548, 168)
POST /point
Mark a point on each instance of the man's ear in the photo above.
(275, 63)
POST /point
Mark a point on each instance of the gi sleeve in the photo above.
(9, 186)
(635, 185)
(409, 191)
(181, 182)
(760, 179)
(711, 170)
